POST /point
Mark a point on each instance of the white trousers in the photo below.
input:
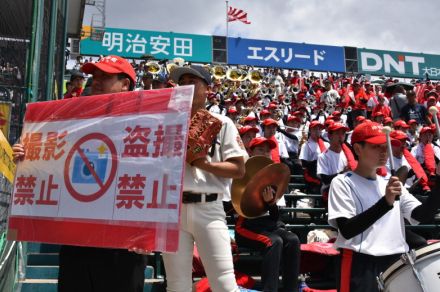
(204, 224)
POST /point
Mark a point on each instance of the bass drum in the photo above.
(400, 276)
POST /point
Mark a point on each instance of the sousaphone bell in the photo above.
(247, 192)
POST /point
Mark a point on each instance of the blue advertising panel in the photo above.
(131, 43)
(285, 55)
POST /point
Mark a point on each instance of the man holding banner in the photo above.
(100, 269)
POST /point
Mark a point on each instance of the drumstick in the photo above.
(433, 111)
(387, 131)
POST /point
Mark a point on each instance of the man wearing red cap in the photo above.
(426, 152)
(403, 157)
(382, 107)
(336, 159)
(100, 269)
(247, 133)
(363, 207)
(266, 233)
(413, 133)
(270, 132)
(308, 155)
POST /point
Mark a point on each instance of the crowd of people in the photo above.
(326, 127)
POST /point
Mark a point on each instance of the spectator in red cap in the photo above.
(336, 159)
(412, 132)
(270, 132)
(412, 110)
(100, 269)
(214, 104)
(388, 122)
(377, 117)
(247, 133)
(400, 125)
(426, 152)
(370, 221)
(292, 137)
(432, 102)
(310, 150)
(403, 157)
(233, 113)
(382, 107)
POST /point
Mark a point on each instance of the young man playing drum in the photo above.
(369, 212)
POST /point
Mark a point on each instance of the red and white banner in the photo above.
(237, 14)
(104, 171)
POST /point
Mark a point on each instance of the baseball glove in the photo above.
(203, 129)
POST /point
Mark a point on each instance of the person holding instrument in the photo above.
(368, 212)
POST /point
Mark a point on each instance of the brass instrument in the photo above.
(247, 192)
(255, 76)
(233, 74)
(219, 72)
(153, 67)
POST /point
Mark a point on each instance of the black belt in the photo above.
(188, 197)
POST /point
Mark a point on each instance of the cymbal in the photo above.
(261, 172)
(252, 165)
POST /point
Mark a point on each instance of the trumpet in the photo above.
(153, 67)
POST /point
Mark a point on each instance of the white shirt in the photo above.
(281, 145)
(350, 195)
(418, 152)
(292, 144)
(310, 150)
(228, 145)
(330, 162)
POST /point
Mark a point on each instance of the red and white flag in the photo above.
(237, 14)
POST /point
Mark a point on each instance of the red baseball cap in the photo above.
(272, 106)
(314, 124)
(261, 140)
(377, 114)
(410, 122)
(337, 126)
(111, 64)
(294, 118)
(232, 110)
(387, 120)
(360, 118)
(264, 113)
(336, 113)
(370, 132)
(268, 122)
(245, 129)
(328, 122)
(427, 129)
(401, 123)
(250, 118)
(398, 135)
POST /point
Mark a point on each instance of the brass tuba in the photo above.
(255, 76)
(219, 72)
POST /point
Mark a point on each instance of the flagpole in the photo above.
(227, 28)
(227, 19)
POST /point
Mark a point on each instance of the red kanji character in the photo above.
(50, 186)
(51, 145)
(165, 188)
(133, 149)
(159, 141)
(32, 143)
(173, 141)
(130, 191)
(24, 190)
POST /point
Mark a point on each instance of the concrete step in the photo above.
(51, 272)
(43, 259)
(49, 285)
(35, 247)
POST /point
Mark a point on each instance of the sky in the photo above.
(396, 25)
